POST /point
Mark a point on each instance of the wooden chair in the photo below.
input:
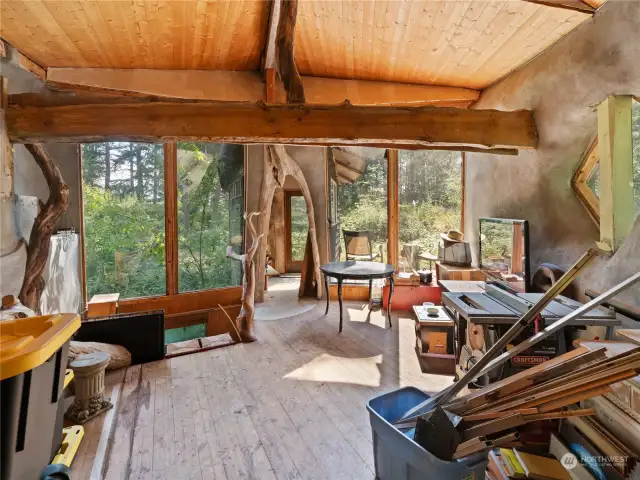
(358, 246)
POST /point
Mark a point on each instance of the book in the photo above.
(515, 469)
(558, 449)
(496, 466)
(541, 468)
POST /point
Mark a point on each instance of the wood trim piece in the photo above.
(393, 211)
(31, 66)
(463, 202)
(579, 181)
(218, 85)
(34, 118)
(83, 252)
(249, 87)
(574, 5)
(574, 398)
(183, 302)
(171, 216)
(616, 168)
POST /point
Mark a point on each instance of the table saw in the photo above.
(486, 311)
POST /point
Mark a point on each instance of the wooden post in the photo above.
(616, 169)
(463, 182)
(392, 207)
(171, 216)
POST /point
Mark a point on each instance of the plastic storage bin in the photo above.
(33, 358)
(398, 457)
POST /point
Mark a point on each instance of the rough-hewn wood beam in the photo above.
(285, 58)
(38, 118)
(249, 87)
(575, 5)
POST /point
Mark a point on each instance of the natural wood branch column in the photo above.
(79, 119)
(39, 240)
(285, 57)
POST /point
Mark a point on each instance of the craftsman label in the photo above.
(530, 360)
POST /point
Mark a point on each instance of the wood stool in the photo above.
(89, 387)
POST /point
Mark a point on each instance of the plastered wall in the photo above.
(562, 86)
(28, 179)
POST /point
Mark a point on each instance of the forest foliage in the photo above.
(430, 197)
(124, 219)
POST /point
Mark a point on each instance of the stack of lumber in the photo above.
(544, 392)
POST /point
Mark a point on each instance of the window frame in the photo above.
(173, 302)
(586, 195)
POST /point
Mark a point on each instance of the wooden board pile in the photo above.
(547, 391)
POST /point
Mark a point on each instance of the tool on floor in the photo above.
(529, 317)
(60, 466)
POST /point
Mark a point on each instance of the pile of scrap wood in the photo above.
(494, 415)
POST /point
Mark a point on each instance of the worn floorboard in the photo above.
(291, 406)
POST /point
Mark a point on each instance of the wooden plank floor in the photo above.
(290, 406)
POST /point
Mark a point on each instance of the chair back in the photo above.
(357, 243)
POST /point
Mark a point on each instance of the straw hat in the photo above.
(454, 236)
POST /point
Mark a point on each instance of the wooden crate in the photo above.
(103, 304)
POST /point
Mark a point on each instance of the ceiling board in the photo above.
(175, 34)
(470, 43)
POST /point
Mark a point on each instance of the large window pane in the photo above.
(210, 209)
(123, 189)
(430, 198)
(361, 177)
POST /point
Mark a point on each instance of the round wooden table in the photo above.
(353, 270)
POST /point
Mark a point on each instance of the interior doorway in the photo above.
(296, 229)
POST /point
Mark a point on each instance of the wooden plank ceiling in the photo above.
(470, 43)
(438, 42)
(179, 34)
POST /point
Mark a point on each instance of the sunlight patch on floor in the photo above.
(331, 369)
(358, 314)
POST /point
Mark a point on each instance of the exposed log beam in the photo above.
(446, 148)
(575, 5)
(285, 58)
(249, 87)
(72, 119)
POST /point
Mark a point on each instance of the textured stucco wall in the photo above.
(28, 179)
(562, 86)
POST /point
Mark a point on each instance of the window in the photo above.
(430, 199)
(586, 181)
(123, 190)
(210, 209)
(361, 176)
